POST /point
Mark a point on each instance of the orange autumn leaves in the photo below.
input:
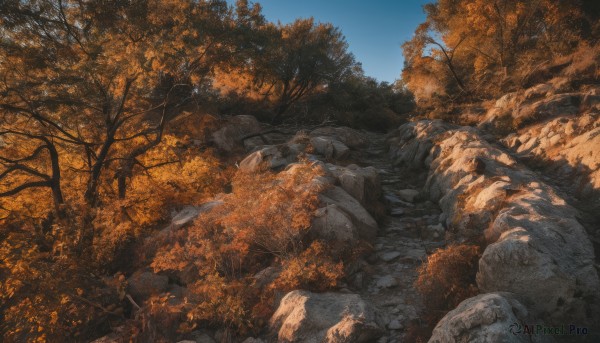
(263, 222)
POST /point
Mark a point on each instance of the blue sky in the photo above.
(374, 29)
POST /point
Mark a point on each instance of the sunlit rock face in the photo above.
(554, 128)
(536, 248)
(568, 147)
(308, 317)
(491, 317)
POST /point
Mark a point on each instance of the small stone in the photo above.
(395, 325)
(387, 281)
(389, 256)
(414, 255)
(408, 194)
(397, 212)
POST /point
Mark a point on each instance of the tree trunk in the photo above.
(91, 192)
(55, 180)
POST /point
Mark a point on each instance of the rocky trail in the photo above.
(408, 232)
(413, 228)
(437, 181)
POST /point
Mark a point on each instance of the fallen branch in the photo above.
(133, 302)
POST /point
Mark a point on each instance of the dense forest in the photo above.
(108, 113)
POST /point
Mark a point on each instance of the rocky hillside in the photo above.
(441, 232)
(528, 200)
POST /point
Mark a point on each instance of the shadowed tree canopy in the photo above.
(302, 57)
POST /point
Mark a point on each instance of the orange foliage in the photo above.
(312, 269)
(47, 289)
(448, 278)
(264, 219)
(46, 298)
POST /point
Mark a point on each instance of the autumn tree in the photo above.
(301, 57)
(473, 49)
(98, 82)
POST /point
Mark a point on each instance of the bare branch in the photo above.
(25, 186)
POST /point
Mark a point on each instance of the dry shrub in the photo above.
(444, 281)
(273, 212)
(312, 269)
(222, 302)
(448, 278)
(263, 220)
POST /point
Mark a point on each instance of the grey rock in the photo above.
(346, 135)
(266, 276)
(485, 318)
(537, 248)
(386, 281)
(397, 212)
(189, 213)
(327, 317)
(362, 183)
(333, 224)
(395, 324)
(229, 137)
(185, 216)
(408, 194)
(329, 148)
(389, 255)
(271, 157)
(363, 221)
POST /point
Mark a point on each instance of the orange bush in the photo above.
(448, 278)
(264, 220)
(312, 269)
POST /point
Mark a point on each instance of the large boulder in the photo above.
(409, 146)
(366, 226)
(308, 317)
(229, 136)
(492, 317)
(276, 156)
(547, 107)
(269, 157)
(537, 105)
(334, 225)
(362, 183)
(329, 147)
(351, 138)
